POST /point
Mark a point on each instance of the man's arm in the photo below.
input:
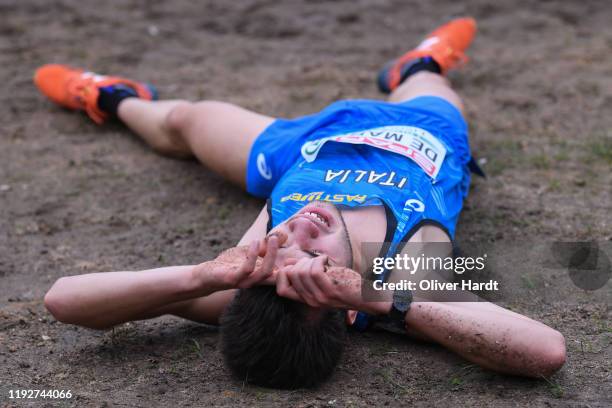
(481, 332)
(101, 300)
(490, 336)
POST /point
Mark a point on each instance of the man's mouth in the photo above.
(317, 215)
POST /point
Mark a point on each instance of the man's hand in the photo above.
(241, 267)
(311, 281)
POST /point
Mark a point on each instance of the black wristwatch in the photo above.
(395, 320)
(402, 299)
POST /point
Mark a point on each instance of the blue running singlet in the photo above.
(412, 157)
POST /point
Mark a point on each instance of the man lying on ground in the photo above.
(359, 171)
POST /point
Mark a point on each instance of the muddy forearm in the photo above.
(497, 341)
(101, 300)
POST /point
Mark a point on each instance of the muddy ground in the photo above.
(75, 197)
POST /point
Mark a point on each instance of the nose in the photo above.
(302, 230)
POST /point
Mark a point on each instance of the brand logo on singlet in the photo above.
(415, 143)
(415, 205)
(263, 168)
(323, 196)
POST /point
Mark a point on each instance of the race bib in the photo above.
(415, 143)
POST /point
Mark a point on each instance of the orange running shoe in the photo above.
(79, 90)
(446, 45)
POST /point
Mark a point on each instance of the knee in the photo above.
(186, 115)
(179, 117)
(174, 127)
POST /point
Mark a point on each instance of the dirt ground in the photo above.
(75, 197)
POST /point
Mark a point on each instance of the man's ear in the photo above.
(351, 315)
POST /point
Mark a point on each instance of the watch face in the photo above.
(402, 300)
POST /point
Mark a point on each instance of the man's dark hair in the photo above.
(275, 342)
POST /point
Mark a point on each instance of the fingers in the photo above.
(280, 236)
(325, 284)
(290, 261)
(251, 259)
(314, 291)
(248, 265)
(284, 288)
(309, 281)
(267, 270)
(251, 273)
(300, 277)
(319, 263)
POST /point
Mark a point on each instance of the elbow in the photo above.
(553, 357)
(56, 303)
(60, 303)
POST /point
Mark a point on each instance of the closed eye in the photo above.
(310, 253)
(313, 254)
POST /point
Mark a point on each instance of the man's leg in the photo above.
(425, 83)
(219, 135)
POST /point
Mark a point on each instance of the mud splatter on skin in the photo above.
(227, 265)
(343, 276)
(234, 254)
(477, 344)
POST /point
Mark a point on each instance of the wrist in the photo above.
(376, 308)
(205, 280)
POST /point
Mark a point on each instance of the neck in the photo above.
(366, 227)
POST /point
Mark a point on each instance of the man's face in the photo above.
(317, 229)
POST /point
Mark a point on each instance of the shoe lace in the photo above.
(85, 91)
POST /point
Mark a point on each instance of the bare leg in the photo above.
(426, 84)
(148, 120)
(219, 135)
